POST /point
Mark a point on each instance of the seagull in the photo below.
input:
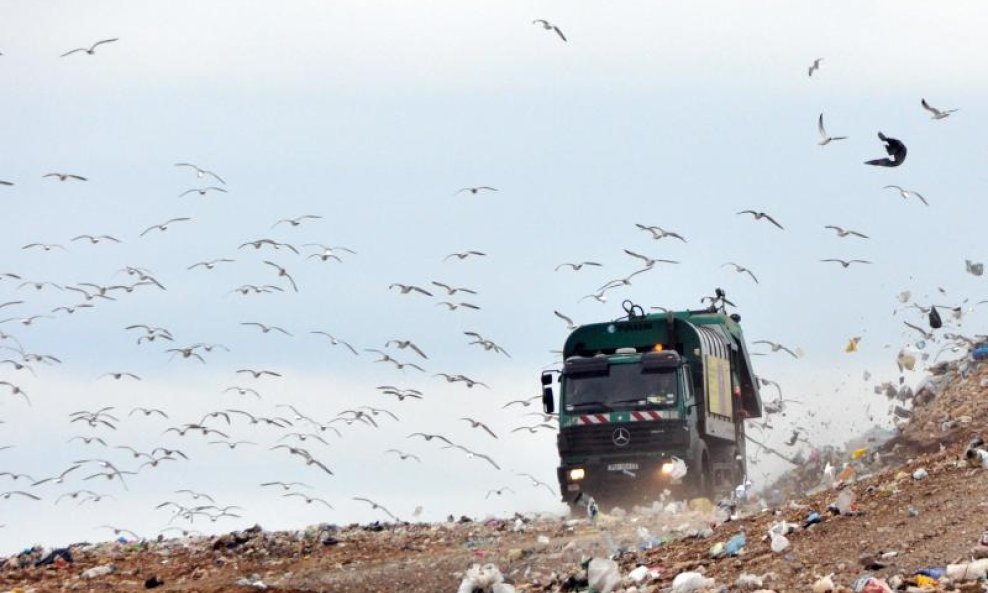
(65, 176)
(569, 322)
(8, 494)
(200, 172)
(402, 344)
(209, 265)
(283, 273)
(275, 244)
(375, 506)
(578, 266)
(450, 290)
(118, 531)
(536, 482)
(474, 455)
(327, 252)
(741, 270)
(297, 220)
(626, 281)
(59, 478)
(936, 113)
(534, 429)
(286, 485)
(120, 375)
(549, 27)
(824, 138)
(257, 374)
(403, 456)
(649, 262)
(336, 341)
(6, 183)
(477, 189)
(905, 193)
(775, 346)
(814, 66)
(401, 394)
(842, 232)
(44, 246)
(499, 491)
(523, 402)
(148, 412)
(186, 353)
(87, 440)
(479, 424)
(308, 499)
(760, 216)
(464, 254)
(895, 149)
(846, 263)
(202, 190)
(660, 233)
(266, 328)
(429, 437)
(91, 50)
(164, 226)
(455, 306)
(95, 240)
(232, 444)
(386, 358)
(407, 288)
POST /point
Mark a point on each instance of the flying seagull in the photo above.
(814, 66)
(845, 262)
(282, 273)
(577, 266)
(660, 233)
(760, 216)
(824, 138)
(164, 226)
(464, 254)
(65, 176)
(91, 50)
(905, 193)
(895, 149)
(842, 232)
(200, 172)
(407, 288)
(741, 270)
(775, 346)
(549, 27)
(569, 322)
(375, 506)
(201, 190)
(477, 189)
(649, 262)
(936, 113)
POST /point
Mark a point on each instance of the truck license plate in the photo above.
(620, 467)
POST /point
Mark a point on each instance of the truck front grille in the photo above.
(599, 439)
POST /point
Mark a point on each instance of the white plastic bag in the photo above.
(603, 575)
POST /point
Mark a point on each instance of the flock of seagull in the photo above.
(303, 436)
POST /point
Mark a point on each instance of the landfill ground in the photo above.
(901, 524)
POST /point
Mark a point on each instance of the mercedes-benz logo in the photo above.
(621, 436)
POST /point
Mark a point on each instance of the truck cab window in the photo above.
(622, 386)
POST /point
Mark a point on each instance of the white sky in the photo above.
(372, 115)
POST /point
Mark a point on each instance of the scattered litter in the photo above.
(870, 584)
(153, 582)
(98, 571)
(920, 474)
(969, 571)
(603, 575)
(484, 579)
(687, 582)
(749, 581)
(638, 574)
(824, 585)
(779, 543)
(734, 545)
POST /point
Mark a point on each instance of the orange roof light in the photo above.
(657, 348)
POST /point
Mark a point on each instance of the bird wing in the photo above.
(819, 127)
(773, 221)
(927, 107)
(564, 318)
(69, 53)
(558, 32)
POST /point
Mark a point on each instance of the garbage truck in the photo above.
(651, 402)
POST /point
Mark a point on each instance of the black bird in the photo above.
(895, 149)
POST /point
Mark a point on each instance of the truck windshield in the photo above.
(622, 385)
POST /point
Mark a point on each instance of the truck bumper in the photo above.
(618, 481)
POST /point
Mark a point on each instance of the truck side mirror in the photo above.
(547, 378)
(547, 401)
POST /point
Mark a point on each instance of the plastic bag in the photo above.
(603, 574)
(688, 582)
(779, 543)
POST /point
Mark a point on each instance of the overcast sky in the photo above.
(373, 115)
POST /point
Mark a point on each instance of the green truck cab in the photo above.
(644, 397)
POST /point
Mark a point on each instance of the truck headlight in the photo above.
(667, 467)
(577, 474)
